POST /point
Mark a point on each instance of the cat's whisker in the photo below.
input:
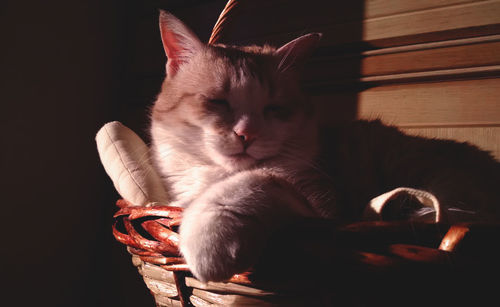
(305, 161)
(283, 60)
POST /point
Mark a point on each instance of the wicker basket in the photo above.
(315, 263)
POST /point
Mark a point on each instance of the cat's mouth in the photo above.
(241, 160)
(241, 156)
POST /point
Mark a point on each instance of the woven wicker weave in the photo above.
(364, 251)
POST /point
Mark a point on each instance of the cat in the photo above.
(237, 144)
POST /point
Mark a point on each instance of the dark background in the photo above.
(68, 67)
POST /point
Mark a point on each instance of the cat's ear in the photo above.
(179, 42)
(295, 52)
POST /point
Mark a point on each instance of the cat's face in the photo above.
(232, 106)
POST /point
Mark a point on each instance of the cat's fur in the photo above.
(237, 144)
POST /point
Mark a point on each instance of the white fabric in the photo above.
(427, 199)
(126, 160)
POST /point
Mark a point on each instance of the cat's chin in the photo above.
(237, 162)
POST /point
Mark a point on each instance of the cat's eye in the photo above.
(218, 103)
(280, 112)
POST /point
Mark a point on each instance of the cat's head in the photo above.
(233, 106)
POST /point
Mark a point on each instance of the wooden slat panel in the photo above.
(380, 8)
(435, 20)
(472, 102)
(479, 72)
(487, 138)
(430, 57)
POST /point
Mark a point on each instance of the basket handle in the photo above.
(227, 13)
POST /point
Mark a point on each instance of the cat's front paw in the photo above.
(217, 242)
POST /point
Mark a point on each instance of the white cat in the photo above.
(238, 146)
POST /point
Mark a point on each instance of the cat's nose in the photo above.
(245, 137)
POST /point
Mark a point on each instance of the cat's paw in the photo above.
(218, 243)
(224, 231)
